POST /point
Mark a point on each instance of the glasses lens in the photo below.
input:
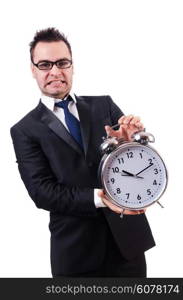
(45, 65)
(63, 63)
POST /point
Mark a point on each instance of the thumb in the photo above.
(108, 129)
(100, 193)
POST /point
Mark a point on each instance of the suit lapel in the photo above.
(57, 127)
(84, 111)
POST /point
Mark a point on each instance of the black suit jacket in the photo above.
(60, 177)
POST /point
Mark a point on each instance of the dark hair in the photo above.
(48, 35)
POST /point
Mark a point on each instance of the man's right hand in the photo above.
(116, 208)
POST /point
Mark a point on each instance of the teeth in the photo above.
(56, 81)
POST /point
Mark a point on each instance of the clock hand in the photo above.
(144, 169)
(130, 174)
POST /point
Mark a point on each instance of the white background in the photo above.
(131, 50)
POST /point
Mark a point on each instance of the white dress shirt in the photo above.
(49, 102)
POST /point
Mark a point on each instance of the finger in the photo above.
(113, 133)
(129, 212)
(100, 193)
(109, 130)
(125, 119)
(133, 212)
(120, 121)
(134, 120)
(139, 125)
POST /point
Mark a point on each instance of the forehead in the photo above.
(50, 51)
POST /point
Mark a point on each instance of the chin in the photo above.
(58, 95)
(54, 93)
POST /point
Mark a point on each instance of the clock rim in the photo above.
(104, 162)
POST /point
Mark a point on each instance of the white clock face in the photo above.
(134, 176)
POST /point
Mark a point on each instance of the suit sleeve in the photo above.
(115, 111)
(41, 184)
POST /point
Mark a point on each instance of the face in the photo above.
(56, 82)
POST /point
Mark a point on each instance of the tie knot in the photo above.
(64, 103)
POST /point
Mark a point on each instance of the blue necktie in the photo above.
(71, 121)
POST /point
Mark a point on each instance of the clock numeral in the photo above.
(128, 195)
(155, 171)
(148, 191)
(141, 155)
(129, 154)
(112, 180)
(121, 160)
(150, 161)
(155, 182)
(138, 197)
(115, 170)
(118, 191)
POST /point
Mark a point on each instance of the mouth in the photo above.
(56, 82)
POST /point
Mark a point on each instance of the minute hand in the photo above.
(144, 169)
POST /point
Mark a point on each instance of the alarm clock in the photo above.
(133, 174)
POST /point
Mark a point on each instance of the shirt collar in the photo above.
(49, 102)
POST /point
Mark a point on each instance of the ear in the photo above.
(32, 69)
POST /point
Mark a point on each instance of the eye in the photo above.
(64, 63)
(45, 65)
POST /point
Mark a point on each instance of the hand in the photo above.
(128, 126)
(117, 209)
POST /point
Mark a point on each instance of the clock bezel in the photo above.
(104, 161)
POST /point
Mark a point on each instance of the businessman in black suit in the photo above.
(57, 151)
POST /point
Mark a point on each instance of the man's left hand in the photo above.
(128, 126)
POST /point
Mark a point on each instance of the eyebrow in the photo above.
(46, 60)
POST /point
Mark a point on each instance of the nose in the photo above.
(55, 70)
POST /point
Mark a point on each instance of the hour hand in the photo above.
(130, 174)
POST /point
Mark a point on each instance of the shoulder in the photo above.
(100, 99)
(26, 119)
(93, 98)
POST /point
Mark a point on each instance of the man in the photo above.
(57, 150)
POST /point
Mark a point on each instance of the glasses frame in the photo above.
(53, 63)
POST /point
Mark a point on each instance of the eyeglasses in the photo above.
(48, 65)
